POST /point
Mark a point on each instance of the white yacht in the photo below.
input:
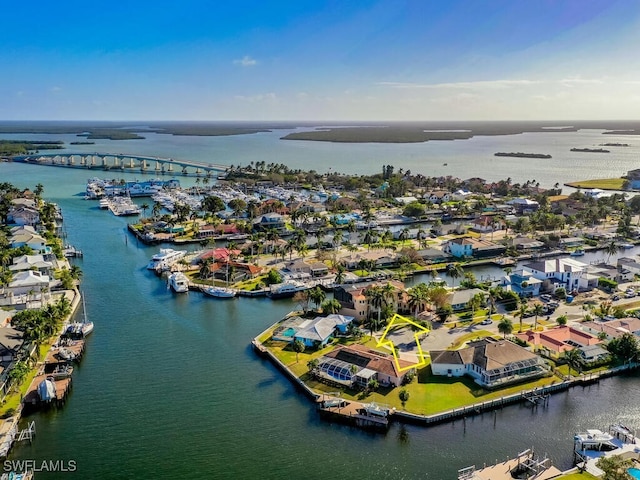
(219, 292)
(179, 282)
(286, 289)
(165, 258)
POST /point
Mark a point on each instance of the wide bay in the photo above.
(169, 387)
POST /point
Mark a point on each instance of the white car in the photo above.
(486, 321)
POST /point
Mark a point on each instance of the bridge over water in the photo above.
(123, 162)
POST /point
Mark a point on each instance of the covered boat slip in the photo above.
(525, 465)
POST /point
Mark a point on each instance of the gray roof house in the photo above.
(491, 363)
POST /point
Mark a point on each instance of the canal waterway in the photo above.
(169, 387)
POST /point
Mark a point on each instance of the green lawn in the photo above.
(577, 476)
(603, 183)
(428, 394)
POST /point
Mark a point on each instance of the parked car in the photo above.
(629, 294)
(486, 321)
(615, 297)
(545, 297)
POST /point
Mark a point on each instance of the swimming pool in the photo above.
(289, 332)
(634, 472)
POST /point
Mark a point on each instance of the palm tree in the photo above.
(505, 327)
(522, 311)
(298, 347)
(417, 297)
(573, 359)
(317, 296)
(455, 271)
(340, 273)
(144, 207)
(474, 303)
(611, 249)
(312, 365)
(331, 306)
(538, 309)
(377, 299)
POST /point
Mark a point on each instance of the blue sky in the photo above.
(320, 60)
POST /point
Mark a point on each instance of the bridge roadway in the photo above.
(122, 162)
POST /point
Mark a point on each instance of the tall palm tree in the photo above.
(505, 327)
(573, 359)
(538, 310)
(456, 271)
(331, 306)
(317, 296)
(522, 311)
(377, 299)
(417, 297)
(611, 249)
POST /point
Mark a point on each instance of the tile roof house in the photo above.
(336, 366)
(614, 328)
(353, 300)
(558, 340)
(491, 363)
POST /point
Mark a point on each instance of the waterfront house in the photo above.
(23, 215)
(486, 224)
(338, 366)
(35, 242)
(313, 269)
(28, 283)
(381, 259)
(32, 262)
(491, 363)
(438, 196)
(613, 328)
(459, 299)
(355, 303)
(12, 349)
(434, 255)
(629, 264)
(556, 341)
(526, 243)
(524, 205)
(593, 354)
(269, 221)
(611, 272)
(523, 283)
(472, 247)
(318, 332)
(562, 272)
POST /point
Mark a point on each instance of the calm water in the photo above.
(169, 387)
(463, 158)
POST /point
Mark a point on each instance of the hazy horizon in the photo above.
(309, 61)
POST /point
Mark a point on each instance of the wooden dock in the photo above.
(525, 465)
(362, 415)
(32, 400)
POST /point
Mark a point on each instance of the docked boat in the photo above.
(47, 390)
(66, 354)
(593, 443)
(165, 258)
(61, 371)
(626, 246)
(219, 292)
(104, 203)
(286, 289)
(578, 252)
(80, 329)
(179, 282)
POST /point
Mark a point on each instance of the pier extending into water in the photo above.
(124, 162)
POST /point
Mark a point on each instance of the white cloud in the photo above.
(55, 89)
(245, 61)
